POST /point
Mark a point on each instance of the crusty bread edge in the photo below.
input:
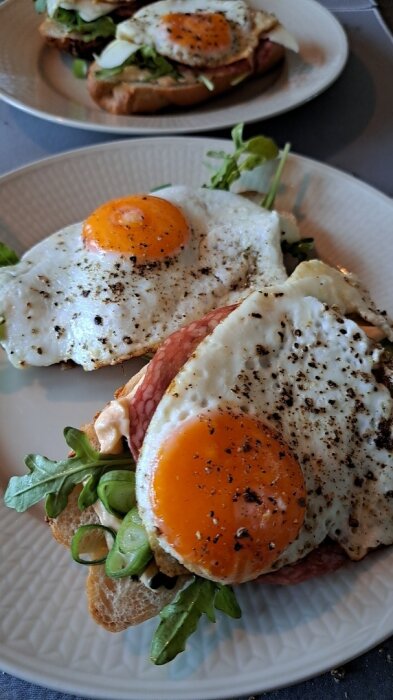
(120, 97)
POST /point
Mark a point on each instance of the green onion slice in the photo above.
(116, 491)
(131, 552)
(79, 68)
(90, 540)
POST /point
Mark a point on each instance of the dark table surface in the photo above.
(350, 126)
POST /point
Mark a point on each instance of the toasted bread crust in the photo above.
(120, 603)
(118, 96)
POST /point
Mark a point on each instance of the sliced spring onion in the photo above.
(91, 541)
(131, 552)
(206, 82)
(79, 68)
(116, 491)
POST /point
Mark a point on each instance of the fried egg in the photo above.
(216, 33)
(138, 268)
(275, 434)
(219, 32)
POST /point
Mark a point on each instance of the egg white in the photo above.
(246, 27)
(314, 384)
(62, 302)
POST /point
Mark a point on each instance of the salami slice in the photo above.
(325, 559)
(165, 365)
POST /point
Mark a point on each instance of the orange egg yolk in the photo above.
(147, 227)
(205, 32)
(228, 496)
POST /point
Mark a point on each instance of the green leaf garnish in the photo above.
(146, 58)
(79, 68)
(179, 619)
(268, 201)
(247, 156)
(101, 27)
(299, 249)
(7, 255)
(225, 601)
(55, 480)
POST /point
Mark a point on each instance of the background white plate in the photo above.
(285, 635)
(39, 80)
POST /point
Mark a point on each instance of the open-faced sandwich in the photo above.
(255, 438)
(138, 268)
(83, 27)
(178, 53)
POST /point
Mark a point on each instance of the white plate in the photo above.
(39, 80)
(285, 635)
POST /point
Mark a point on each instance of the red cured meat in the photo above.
(328, 557)
(164, 366)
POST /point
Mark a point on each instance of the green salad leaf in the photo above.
(146, 58)
(7, 255)
(247, 156)
(225, 601)
(55, 480)
(269, 199)
(179, 619)
(101, 27)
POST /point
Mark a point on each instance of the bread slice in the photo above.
(116, 603)
(131, 91)
(120, 603)
(59, 37)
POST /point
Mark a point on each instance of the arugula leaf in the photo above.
(55, 480)
(179, 619)
(146, 58)
(225, 601)
(7, 255)
(268, 201)
(298, 249)
(247, 156)
(101, 27)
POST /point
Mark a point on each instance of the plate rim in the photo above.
(125, 143)
(220, 123)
